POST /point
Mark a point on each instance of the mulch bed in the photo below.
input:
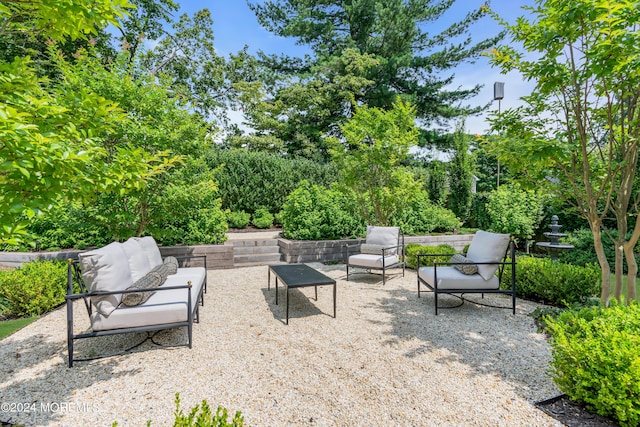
(573, 414)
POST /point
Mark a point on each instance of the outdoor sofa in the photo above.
(128, 287)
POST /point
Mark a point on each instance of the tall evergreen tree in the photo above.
(411, 61)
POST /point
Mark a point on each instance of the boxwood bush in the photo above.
(553, 282)
(413, 249)
(262, 218)
(34, 288)
(238, 219)
(595, 359)
(312, 212)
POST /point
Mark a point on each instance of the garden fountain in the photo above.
(553, 246)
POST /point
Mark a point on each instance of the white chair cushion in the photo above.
(383, 236)
(487, 247)
(139, 263)
(150, 247)
(106, 269)
(162, 307)
(451, 278)
(372, 261)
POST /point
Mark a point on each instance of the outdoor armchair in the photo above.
(383, 249)
(488, 253)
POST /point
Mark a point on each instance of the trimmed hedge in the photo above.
(34, 288)
(250, 180)
(596, 360)
(313, 212)
(239, 219)
(413, 249)
(543, 279)
(262, 218)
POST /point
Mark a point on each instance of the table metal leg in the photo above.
(268, 279)
(334, 300)
(276, 290)
(287, 297)
(316, 292)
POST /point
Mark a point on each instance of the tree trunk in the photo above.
(604, 264)
(619, 267)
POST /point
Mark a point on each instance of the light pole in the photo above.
(498, 94)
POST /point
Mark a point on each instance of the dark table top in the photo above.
(294, 275)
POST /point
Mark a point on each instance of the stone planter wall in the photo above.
(221, 256)
(334, 250)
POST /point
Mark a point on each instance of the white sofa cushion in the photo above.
(383, 236)
(106, 269)
(487, 247)
(451, 278)
(372, 261)
(162, 307)
(150, 247)
(139, 263)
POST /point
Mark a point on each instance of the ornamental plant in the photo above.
(596, 360)
(556, 283)
(34, 288)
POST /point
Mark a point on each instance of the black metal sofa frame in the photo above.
(74, 275)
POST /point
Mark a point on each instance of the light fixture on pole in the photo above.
(498, 94)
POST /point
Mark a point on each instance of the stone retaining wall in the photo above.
(334, 250)
(221, 256)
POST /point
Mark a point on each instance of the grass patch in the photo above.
(7, 327)
(624, 284)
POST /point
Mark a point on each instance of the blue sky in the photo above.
(235, 26)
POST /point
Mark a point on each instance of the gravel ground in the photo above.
(385, 360)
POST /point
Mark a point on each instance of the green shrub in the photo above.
(515, 211)
(34, 288)
(595, 359)
(262, 218)
(189, 211)
(421, 216)
(251, 180)
(543, 279)
(413, 249)
(312, 212)
(4, 304)
(202, 416)
(238, 219)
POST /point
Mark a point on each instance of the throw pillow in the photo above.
(172, 263)
(467, 266)
(367, 248)
(163, 270)
(150, 280)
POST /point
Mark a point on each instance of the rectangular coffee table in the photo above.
(299, 276)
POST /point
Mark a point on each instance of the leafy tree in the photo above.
(304, 110)
(374, 144)
(461, 173)
(438, 185)
(409, 61)
(515, 211)
(44, 154)
(578, 131)
(197, 73)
